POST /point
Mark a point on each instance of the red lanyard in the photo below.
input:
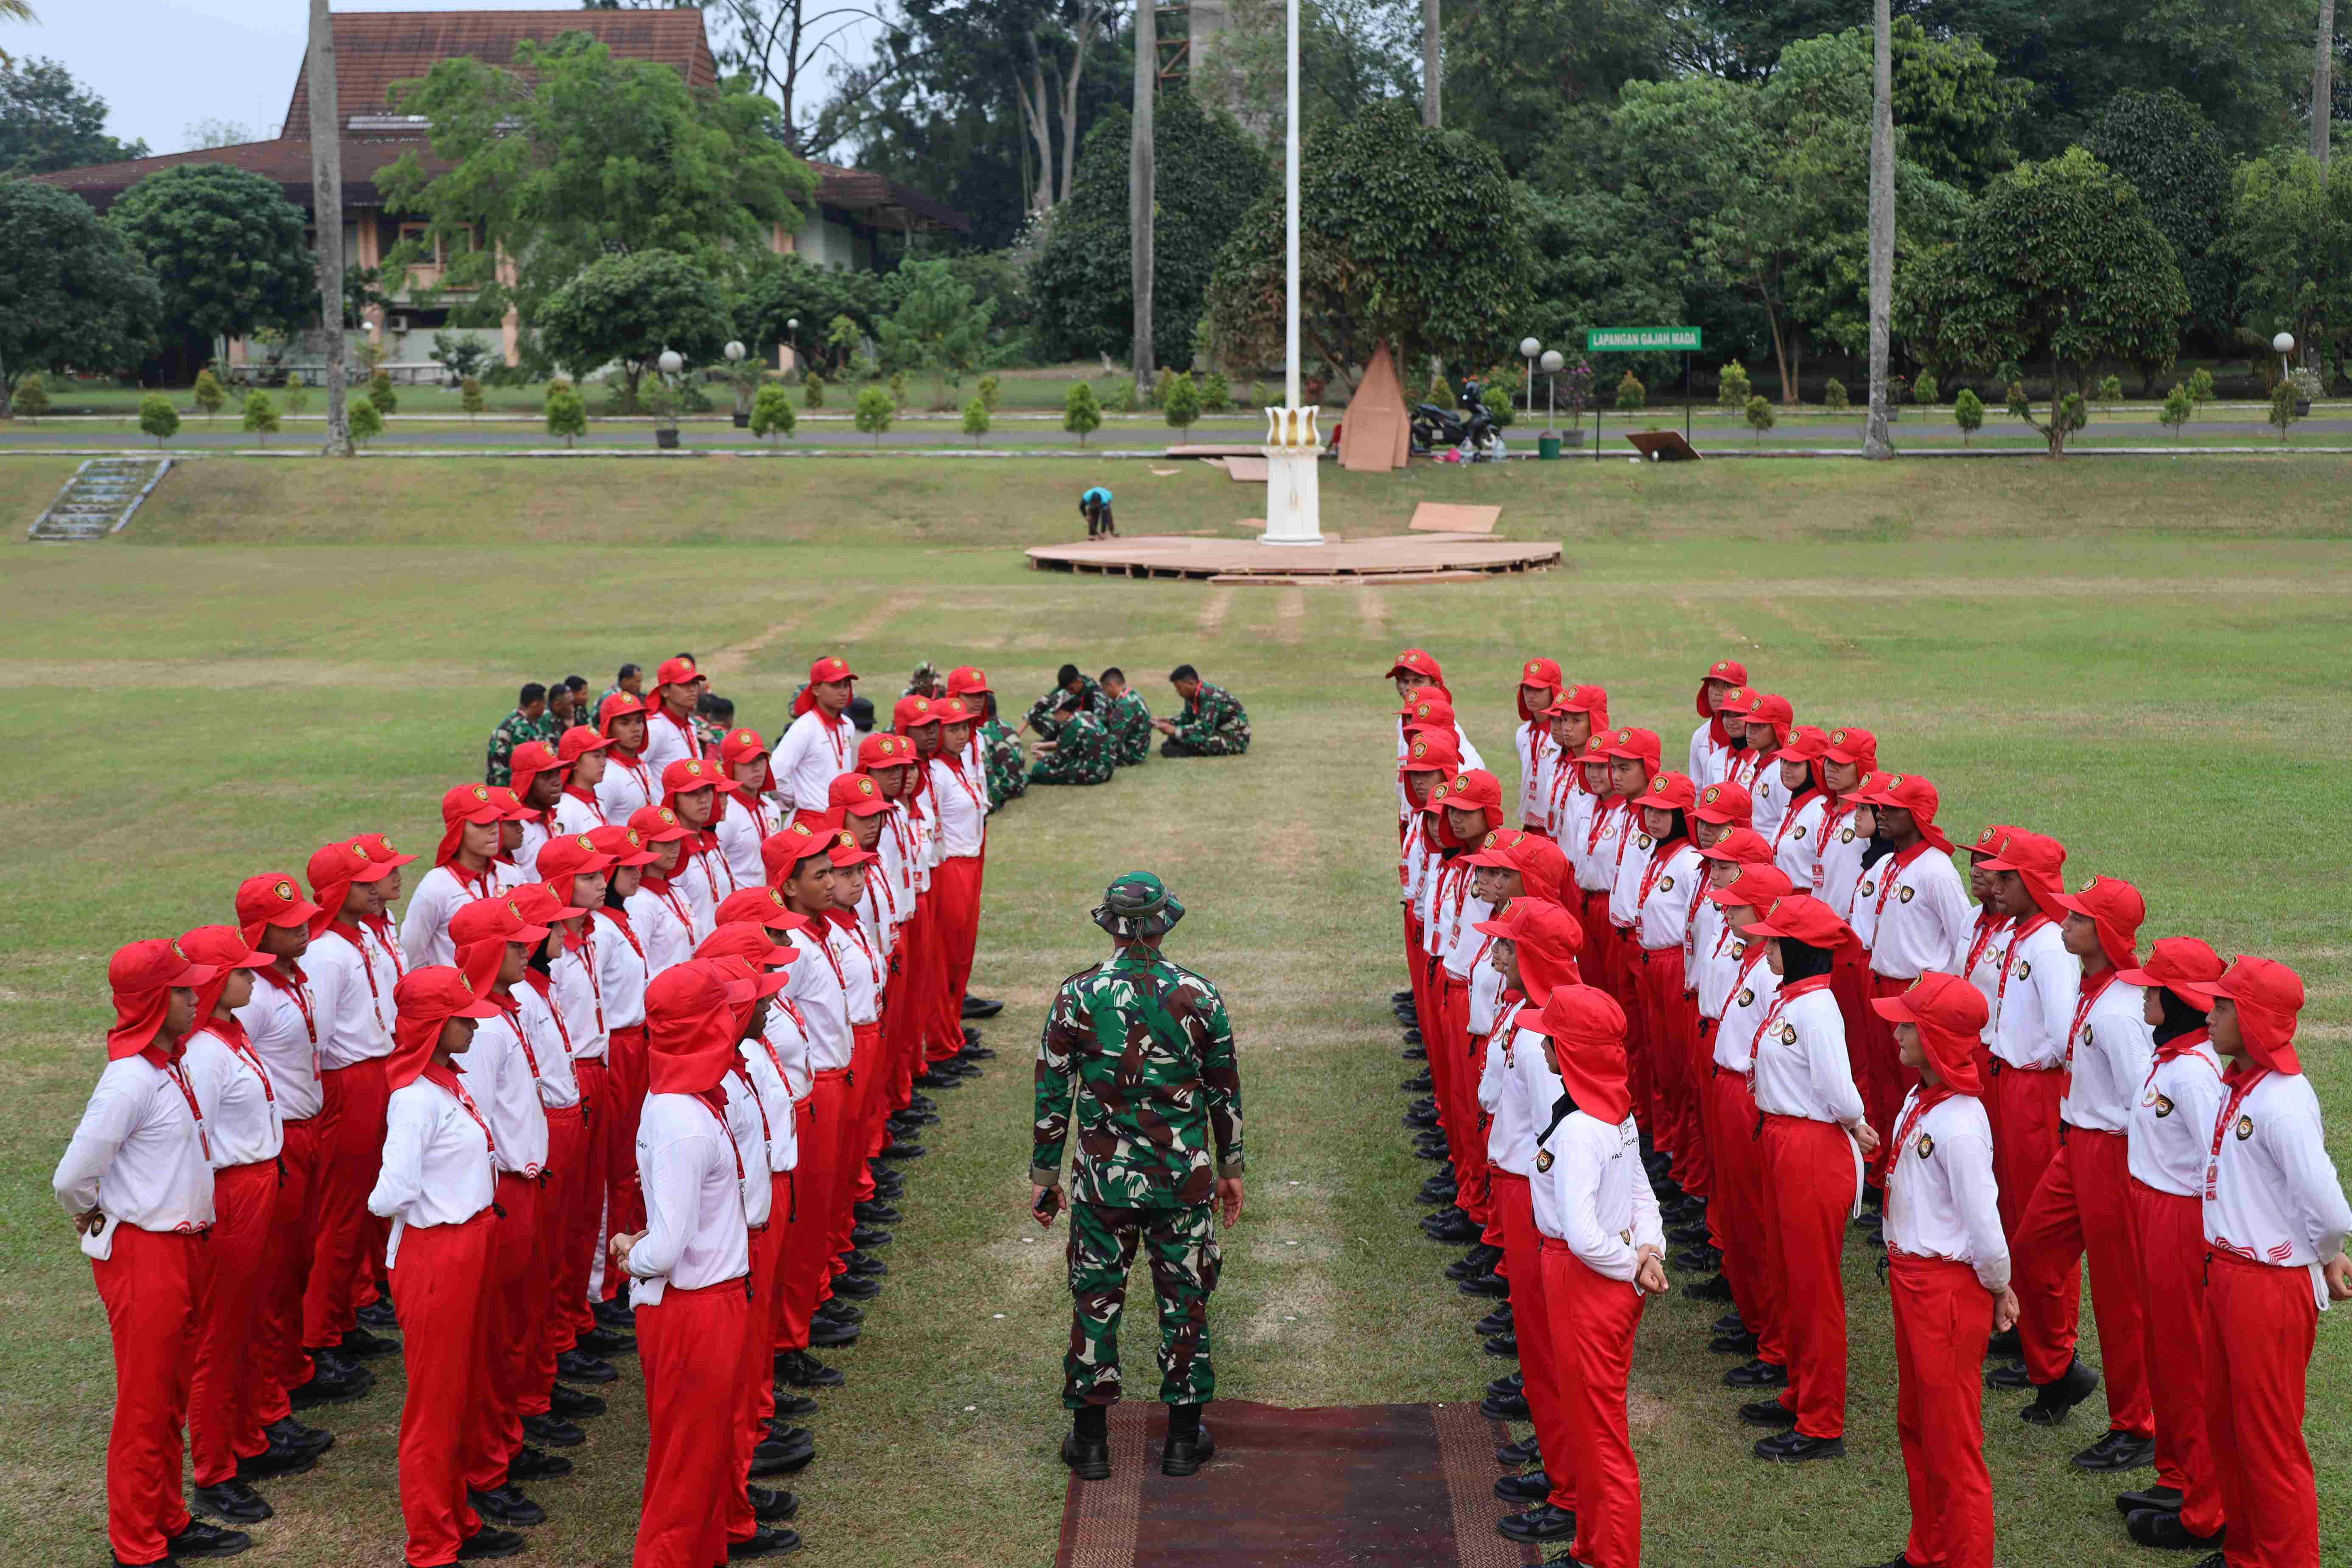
(300, 994)
(825, 946)
(629, 936)
(466, 1103)
(522, 1038)
(1987, 924)
(562, 1031)
(767, 1134)
(965, 784)
(1600, 810)
(2183, 1047)
(1789, 820)
(204, 1140)
(685, 920)
(1658, 862)
(245, 1054)
(872, 964)
(595, 984)
(1507, 1029)
(1886, 879)
(1780, 1000)
(2253, 1076)
(382, 926)
(1920, 1106)
(2009, 962)
(2090, 992)
(358, 939)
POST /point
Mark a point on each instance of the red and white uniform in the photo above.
(704, 879)
(1838, 876)
(668, 738)
(1538, 756)
(2032, 1007)
(2169, 1136)
(578, 811)
(1797, 840)
(1710, 758)
(750, 818)
(440, 893)
(241, 1123)
(1912, 912)
(662, 922)
(352, 977)
(815, 751)
(628, 787)
(1469, 759)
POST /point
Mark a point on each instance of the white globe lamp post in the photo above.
(1529, 350)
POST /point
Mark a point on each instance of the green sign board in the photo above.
(1620, 339)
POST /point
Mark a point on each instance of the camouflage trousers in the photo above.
(1182, 1246)
(1210, 745)
(1077, 769)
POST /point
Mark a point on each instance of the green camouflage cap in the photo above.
(927, 674)
(1137, 904)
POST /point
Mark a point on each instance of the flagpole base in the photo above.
(1294, 513)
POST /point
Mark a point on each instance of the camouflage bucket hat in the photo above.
(1137, 904)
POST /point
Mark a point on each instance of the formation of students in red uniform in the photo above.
(1760, 1006)
(633, 1074)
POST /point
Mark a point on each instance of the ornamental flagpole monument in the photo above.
(1294, 510)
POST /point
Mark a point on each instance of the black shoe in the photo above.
(920, 1102)
(1485, 1285)
(1757, 1374)
(1430, 1150)
(1438, 1192)
(379, 1313)
(2054, 1400)
(615, 1313)
(1795, 1448)
(1505, 1387)
(1415, 1053)
(232, 1501)
(2158, 1498)
(1542, 1521)
(934, 1078)
(780, 1430)
(970, 1036)
(487, 1542)
(360, 1345)
(1533, 1487)
(1504, 1407)
(279, 1459)
(1412, 1036)
(2162, 1529)
(1729, 1323)
(573, 1403)
(1714, 1287)
(1520, 1455)
(773, 1459)
(506, 1505)
(763, 1542)
(889, 1186)
(1505, 1347)
(1420, 1119)
(1472, 1264)
(867, 1235)
(803, 1369)
(771, 1506)
(832, 1334)
(323, 1389)
(2008, 1374)
(1690, 1234)
(1698, 1260)
(789, 1404)
(1088, 1458)
(1742, 1343)
(288, 1433)
(1766, 1412)
(551, 1431)
(1497, 1321)
(582, 1367)
(1419, 1083)
(873, 1211)
(1898, 1562)
(2117, 1451)
(982, 1007)
(1455, 1229)
(1185, 1452)
(840, 1311)
(531, 1464)
(856, 1287)
(864, 1263)
(900, 1148)
(601, 1340)
(202, 1539)
(2006, 1345)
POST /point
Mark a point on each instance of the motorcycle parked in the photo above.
(1468, 437)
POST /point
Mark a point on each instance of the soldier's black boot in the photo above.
(1086, 1450)
(1189, 1444)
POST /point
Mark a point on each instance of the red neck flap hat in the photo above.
(1413, 662)
(1724, 803)
(749, 940)
(1950, 1016)
(832, 666)
(481, 931)
(1775, 710)
(911, 713)
(970, 680)
(461, 805)
(270, 899)
(1912, 793)
(678, 672)
(1587, 1029)
(1740, 847)
(2039, 860)
(577, 742)
(223, 949)
(2116, 909)
(142, 975)
(332, 869)
(1538, 672)
(1430, 753)
(879, 750)
(691, 774)
(1729, 669)
(429, 998)
(1547, 937)
(1637, 744)
(1799, 917)
(1427, 712)
(1757, 887)
(782, 852)
(1668, 792)
(1590, 700)
(1474, 789)
(1853, 745)
(761, 908)
(2268, 996)
(741, 746)
(567, 856)
(1539, 861)
(2180, 965)
(691, 1028)
(854, 794)
(625, 844)
(532, 759)
(617, 706)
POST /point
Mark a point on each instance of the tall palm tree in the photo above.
(1140, 153)
(1432, 70)
(1876, 442)
(327, 215)
(2323, 88)
(13, 11)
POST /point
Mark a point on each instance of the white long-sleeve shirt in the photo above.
(1918, 915)
(750, 818)
(747, 1122)
(668, 741)
(1469, 753)
(663, 927)
(1801, 1067)
(2108, 1055)
(498, 1073)
(1839, 874)
(819, 989)
(436, 1163)
(139, 1154)
(572, 975)
(1746, 1005)
(1464, 945)
(627, 787)
(551, 1044)
(285, 1038)
(240, 1102)
(574, 815)
(1987, 950)
(1708, 758)
(2271, 1192)
(704, 879)
(770, 1075)
(2171, 1131)
(1768, 797)
(1533, 738)
(2033, 998)
(813, 754)
(1595, 1196)
(962, 798)
(351, 987)
(696, 1234)
(1663, 916)
(1941, 1199)
(1797, 842)
(1516, 1089)
(440, 894)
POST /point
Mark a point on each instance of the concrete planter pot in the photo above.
(665, 439)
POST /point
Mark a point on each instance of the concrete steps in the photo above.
(99, 499)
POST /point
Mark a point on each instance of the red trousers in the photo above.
(859, 1110)
(279, 1362)
(585, 1224)
(2170, 1233)
(350, 1155)
(808, 1258)
(561, 1276)
(1942, 1318)
(755, 1380)
(1466, 1132)
(151, 1287)
(1809, 1190)
(514, 1293)
(2025, 1135)
(1879, 1072)
(955, 887)
(1533, 1309)
(2259, 1323)
(1658, 979)
(904, 1020)
(224, 1390)
(2083, 1204)
(690, 1344)
(626, 1075)
(439, 1285)
(1593, 1319)
(1739, 1209)
(1593, 912)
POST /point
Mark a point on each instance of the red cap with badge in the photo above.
(1413, 662)
(2116, 908)
(1853, 743)
(570, 855)
(1799, 917)
(1950, 1015)
(1907, 792)
(970, 680)
(760, 907)
(1728, 670)
(911, 712)
(1724, 803)
(856, 795)
(1758, 886)
(142, 975)
(2039, 860)
(2180, 965)
(1430, 753)
(1668, 791)
(1634, 745)
(678, 671)
(1740, 847)
(824, 671)
(2267, 996)
(625, 844)
(1543, 673)
(1771, 708)
(270, 899)
(740, 746)
(1591, 701)
(577, 742)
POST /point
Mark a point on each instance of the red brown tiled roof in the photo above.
(375, 50)
(287, 163)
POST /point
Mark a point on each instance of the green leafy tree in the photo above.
(569, 156)
(461, 353)
(1121, 399)
(1216, 395)
(380, 393)
(261, 415)
(1632, 395)
(32, 397)
(812, 390)
(1760, 417)
(50, 121)
(1537, 61)
(207, 393)
(899, 388)
(1161, 380)
(158, 418)
(2178, 408)
(1182, 406)
(298, 393)
(937, 327)
(567, 415)
(1835, 398)
(1407, 234)
(1967, 413)
(2289, 246)
(771, 412)
(975, 420)
(469, 397)
(988, 389)
(2285, 404)
(366, 423)
(1732, 390)
(2170, 153)
(71, 292)
(1081, 413)
(227, 251)
(628, 308)
(876, 410)
(1925, 389)
(2058, 263)
(2111, 389)
(2200, 386)
(787, 288)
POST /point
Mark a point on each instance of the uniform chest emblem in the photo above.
(1903, 895)
(1643, 842)
(1867, 887)
(1543, 1159)
(1927, 1144)
(1801, 831)
(2163, 1104)
(1747, 997)
(1787, 1034)
(1845, 835)
(1666, 884)
(2025, 968)
(1626, 1237)
(2245, 1128)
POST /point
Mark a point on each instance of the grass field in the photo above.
(2146, 659)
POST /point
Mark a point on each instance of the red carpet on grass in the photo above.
(1349, 1486)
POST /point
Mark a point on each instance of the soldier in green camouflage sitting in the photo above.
(1006, 765)
(1079, 753)
(529, 721)
(1128, 721)
(1144, 1050)
(1069, 684)
(1211, 724)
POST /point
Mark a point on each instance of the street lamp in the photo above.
(2282, 345)
(670, 362)
(1552, 362)
(1529, 349)
(734, 351)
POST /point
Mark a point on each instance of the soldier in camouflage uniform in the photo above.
(1211, 724)
(1079, 753)
(1145, 1050)
(529, 721)
(926, 682)
(1070, 687)
(1128, 721)
(1006, 765)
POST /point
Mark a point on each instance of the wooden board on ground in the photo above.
(1664, 445)
(1204, 450)
(1392, 557)
(1376, 434)
(1246, 470)
(1445, 517)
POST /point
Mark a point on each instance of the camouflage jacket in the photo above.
(1081, 754)
(1007, 765)
(1129, 723)
(1044, 721)
(1145, 1050)
(1214, 714)
(513, 730)
(709, 736)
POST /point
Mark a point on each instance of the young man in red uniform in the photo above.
(1538, 688)
(1716, 743)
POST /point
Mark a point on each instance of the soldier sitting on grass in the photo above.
(1080, 751)
(1211, 724)
(1128, 721)
(1068, 682)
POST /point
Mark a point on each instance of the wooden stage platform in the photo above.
(1438, 557)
